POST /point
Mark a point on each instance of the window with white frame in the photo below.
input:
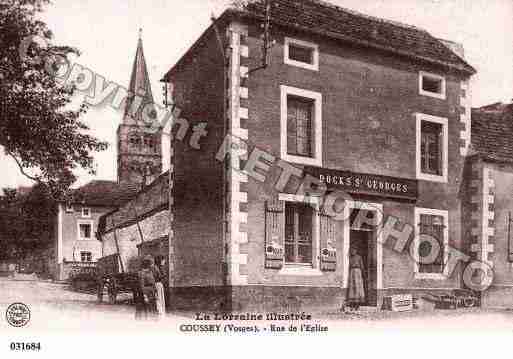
(431, 243)
(301, 126)
(86, 256)
(299, 219)
(85, 230)
(301, 54)
(432, 85)
(302, 226)
(432, 148)
(86, 212)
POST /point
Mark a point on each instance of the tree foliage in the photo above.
(27, 219)
(38, 129)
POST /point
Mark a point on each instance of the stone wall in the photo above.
(146, 215)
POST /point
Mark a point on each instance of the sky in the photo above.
(106, 33)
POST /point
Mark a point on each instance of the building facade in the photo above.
(369, 113)
(490, 186)
(76, 225)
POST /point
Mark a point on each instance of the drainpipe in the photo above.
(226, 64)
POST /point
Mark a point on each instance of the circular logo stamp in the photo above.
(17, 314)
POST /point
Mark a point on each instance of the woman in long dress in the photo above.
(159, 286)
(147, 307)
(355, 291)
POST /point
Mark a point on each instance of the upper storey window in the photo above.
(432, 143)
(302, 54)
(432, 85)
(301, 126)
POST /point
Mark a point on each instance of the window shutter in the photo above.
(274, 234)
(328, 251)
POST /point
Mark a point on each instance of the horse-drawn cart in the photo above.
(113, 279)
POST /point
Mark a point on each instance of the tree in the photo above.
(38, 129)
(26, 221)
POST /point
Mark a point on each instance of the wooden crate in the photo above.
(398, 303)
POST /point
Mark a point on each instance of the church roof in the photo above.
(139, 79)
(104, 193)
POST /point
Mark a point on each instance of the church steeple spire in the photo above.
(139, 151)
(139, 80)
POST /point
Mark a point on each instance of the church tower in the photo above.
(139, 147)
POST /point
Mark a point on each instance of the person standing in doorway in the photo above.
(355, 290)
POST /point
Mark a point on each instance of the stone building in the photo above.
(490, 188)
(76, 224)
(320, 102)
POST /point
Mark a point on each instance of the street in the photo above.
(56, 307)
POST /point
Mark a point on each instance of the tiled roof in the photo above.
(340, 23)
(492, 132)
(104, 193)
(346, 25)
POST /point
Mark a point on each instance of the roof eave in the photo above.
(231, 14)
(465, 69)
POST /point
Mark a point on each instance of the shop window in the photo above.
(301, 53)
(301, 126)
(85, 230)
(432, 148)
(432, 85)
(86, 257)
(431, 242)
(298, 233)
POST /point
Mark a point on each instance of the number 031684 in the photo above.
(19, 346)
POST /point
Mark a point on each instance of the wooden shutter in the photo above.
(328, 251)
(274, 234)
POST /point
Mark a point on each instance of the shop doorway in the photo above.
(363, 241)
(364, 238)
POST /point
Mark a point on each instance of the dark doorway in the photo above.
(364, 241)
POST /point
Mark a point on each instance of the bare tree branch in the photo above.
(22, 170)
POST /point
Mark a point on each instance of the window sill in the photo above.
(304, 65)
(440, 96)
(432, 178)
(299, 270)
(434, 276)
(308, 161)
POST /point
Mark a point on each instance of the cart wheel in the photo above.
(469, 302)
(113, 293)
